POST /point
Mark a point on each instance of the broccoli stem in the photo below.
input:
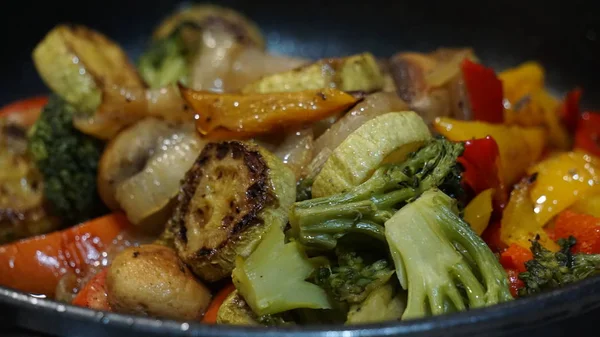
(327, 233)
(376, 199)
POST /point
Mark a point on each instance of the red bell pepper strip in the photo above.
(569, 110)
(93, 295)
(585, 228)
(491, 236)
(210, 316)
(587, 136)
(514, 282)
(484, 91)
(25, 112)
(481, 163)
(515, 257)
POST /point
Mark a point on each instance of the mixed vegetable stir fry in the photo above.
(214, 181)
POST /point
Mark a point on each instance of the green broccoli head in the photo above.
(167, 60)
(549, 270)
(353, 278)
(68, 161)
(319, 223)
(444, 265)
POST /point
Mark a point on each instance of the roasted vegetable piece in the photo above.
(234, 310)
(569, 110)
(208, 14)
(372, 106)
(263, 113)
(178, 39)
(148, 152)
(93, 295)
(584, 228)
(231, 196)
(528, 103)
(484, 90)
(68, 162)
(431, 83)
(482, 165)
(562, 180)
(167, 60)
(151, 280)
(588, 204)
(514, 257)
(587, 134)
(424, 237)
(353, 278)
(519, 222)
(22, 209)
(272, 278)
(212, 312)
(353, 73)
(24, 264)
(77, 63)
(383, 304)
(23, 112)
(550, 270)
(519, 146)
(479, 211)
(320, 222)
(376, 142)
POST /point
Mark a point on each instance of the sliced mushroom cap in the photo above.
(141, 169)
(432, 83)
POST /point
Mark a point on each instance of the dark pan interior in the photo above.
(563, 36)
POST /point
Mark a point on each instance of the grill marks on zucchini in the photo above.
(222, 206)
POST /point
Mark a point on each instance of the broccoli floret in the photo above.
(167, 60)
(68, 161)
(319, 223)
(549, 270)
(443, 264)
(353, 278)
(273, 278)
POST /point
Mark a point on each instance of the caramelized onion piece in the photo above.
(141, 169)
(224, 65)
(371, 107)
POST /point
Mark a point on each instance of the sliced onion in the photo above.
(371, 107)
(296, 151)
(141, 169)
(224, 65)
(122, 107)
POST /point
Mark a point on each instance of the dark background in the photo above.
(563, 35)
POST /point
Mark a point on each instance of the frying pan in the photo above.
(563, 36)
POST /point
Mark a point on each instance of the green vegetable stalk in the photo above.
(319, 223)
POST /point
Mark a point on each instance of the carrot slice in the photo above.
(93, 295)
(36, 264)
(26, 111)
(210, 317)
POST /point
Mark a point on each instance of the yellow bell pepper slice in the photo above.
(561, 181)
(479, 211)
(588, 204)
(519, 146)
(519, 223)
(527, 103)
